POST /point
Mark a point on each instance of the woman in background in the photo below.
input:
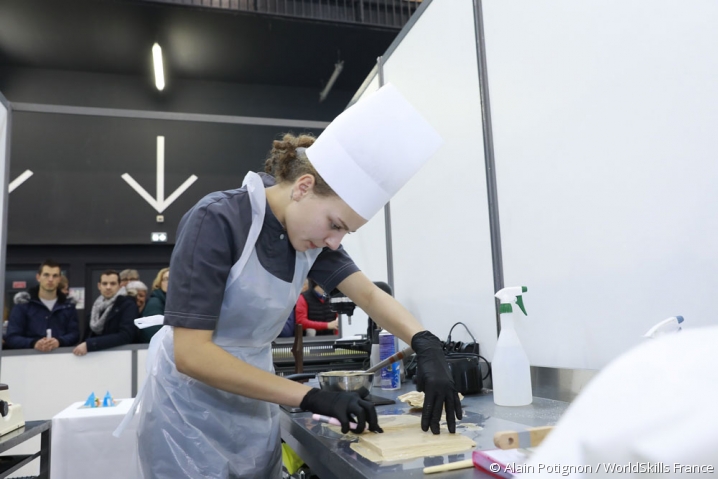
(64, 288)
(138, 290)
(64, 285)
(156, 304)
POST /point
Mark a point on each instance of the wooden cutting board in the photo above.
(403, 439)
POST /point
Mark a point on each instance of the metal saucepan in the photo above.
(352, 381)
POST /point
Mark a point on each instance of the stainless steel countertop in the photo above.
(329, 456)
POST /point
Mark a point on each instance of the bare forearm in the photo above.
(212, 365)
(381, 307)
(392, 316)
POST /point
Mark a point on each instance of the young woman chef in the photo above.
(209, 405)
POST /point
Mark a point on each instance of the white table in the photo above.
(83, 445)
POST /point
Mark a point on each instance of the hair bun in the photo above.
(284, 153)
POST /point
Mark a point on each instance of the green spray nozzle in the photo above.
(510, 295)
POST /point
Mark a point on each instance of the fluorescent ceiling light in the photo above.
(335, 74)
(159, 71)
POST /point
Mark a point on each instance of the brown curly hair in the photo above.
(286, 164)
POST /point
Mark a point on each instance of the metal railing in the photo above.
(376, 13)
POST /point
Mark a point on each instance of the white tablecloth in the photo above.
(83, 445)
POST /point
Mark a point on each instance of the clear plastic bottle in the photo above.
(390, 375)
(375, 358)
(510, 368)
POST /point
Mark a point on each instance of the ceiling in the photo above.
(115, 36)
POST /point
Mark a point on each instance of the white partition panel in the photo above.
(45, 384)
(605, 117)
(367, 248)
(440, 227)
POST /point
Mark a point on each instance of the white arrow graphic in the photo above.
(160, 203)
(19, 180)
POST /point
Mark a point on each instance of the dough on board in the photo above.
(415, 399)
(403, 439)
(408, 441)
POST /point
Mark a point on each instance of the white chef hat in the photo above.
(372, 149)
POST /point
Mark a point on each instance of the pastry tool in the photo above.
(452, 466)
(391, 360)
(332, 420)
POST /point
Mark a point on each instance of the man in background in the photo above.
(111, 318)
(44, 318)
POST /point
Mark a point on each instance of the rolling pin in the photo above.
(452, 466)
(391, 359)
(532, 437)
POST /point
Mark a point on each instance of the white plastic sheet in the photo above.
(649, 413)
(83, 445)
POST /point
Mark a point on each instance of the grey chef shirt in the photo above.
(210, 240)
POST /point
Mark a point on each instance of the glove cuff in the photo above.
(306, 400)
(423, 340)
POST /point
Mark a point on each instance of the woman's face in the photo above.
(141, 299)
(317, 221)
(165, 281)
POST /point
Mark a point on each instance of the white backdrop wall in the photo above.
(604, 117)
(440, 229)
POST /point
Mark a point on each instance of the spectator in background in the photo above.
(288, 329)
(313, 313)
(64, 285)
(127, 275)
(138, 290)
(112, 317)
(44, 319)
(156, 303)
(64, 288)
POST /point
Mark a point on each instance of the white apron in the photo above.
(190, 429)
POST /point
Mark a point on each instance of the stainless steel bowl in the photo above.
(353, 381)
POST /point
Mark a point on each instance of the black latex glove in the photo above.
(434, 378)
(342, 405)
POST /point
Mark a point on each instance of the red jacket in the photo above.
(300, 312)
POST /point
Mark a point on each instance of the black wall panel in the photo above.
(103, 90)
(78, 210)
(77, 196)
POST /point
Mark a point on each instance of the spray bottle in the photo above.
(511, 371)
(670, 325)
